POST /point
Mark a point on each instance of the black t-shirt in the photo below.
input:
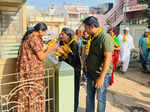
(74, 59)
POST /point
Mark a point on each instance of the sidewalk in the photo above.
(129, 93)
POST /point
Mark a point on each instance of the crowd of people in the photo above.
(92, 52)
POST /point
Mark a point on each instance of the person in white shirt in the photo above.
(126, 45)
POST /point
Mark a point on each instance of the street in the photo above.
(129, 93)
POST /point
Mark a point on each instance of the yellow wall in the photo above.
(24, 18)
(7, 66)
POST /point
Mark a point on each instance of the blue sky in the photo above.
(43, 4)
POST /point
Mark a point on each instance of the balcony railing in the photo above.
(10, 87)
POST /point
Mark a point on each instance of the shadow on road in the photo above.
(126, 101)
(135, 74)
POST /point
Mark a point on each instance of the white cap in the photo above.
(147, 30)
(126, 28)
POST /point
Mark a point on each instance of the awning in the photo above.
(138, 7)
(10, 7)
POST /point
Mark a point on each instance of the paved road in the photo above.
(129, 93)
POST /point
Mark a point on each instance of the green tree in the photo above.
(146, 11)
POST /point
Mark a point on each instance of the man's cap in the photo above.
(126, 28)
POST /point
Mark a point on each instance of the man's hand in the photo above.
(99, 82)
(60, 50)
(107, 60)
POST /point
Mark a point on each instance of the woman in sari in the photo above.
(31, 95)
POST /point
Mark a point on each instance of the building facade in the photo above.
(54, 24)
(134, 11)
(12, 26)
(76, 12)
(134, 20)
(57, 17)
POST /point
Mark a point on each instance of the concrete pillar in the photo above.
(24, 19)
(7, 66)
(65, 88)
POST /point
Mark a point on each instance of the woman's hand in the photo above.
(52, 48)
(42, 54)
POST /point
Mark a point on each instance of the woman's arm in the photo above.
(43, 54)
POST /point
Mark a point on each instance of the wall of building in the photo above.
(76, 12)
(54, 23)
(12, 29)
(7, 66)
(13, 26)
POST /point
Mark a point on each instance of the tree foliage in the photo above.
(146, 11)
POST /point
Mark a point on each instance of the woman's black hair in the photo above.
(68, 32)
(28, 32)
(40, 26)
